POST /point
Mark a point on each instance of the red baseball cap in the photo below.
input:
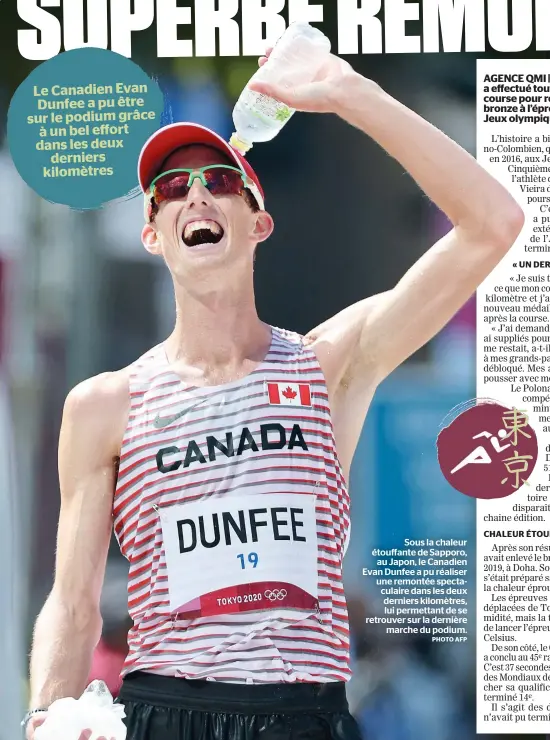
(167, 139)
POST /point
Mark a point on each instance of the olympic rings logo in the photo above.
(276, 595)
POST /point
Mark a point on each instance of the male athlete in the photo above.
(222, 454)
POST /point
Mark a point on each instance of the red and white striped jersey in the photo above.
(186, 449)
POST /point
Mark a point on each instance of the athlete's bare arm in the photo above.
(486, 220)
(363, 344)
(69, 625)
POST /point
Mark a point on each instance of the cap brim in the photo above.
(169, 138)
(166, 140)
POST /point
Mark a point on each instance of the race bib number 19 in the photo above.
(247, 553)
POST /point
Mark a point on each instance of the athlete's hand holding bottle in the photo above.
(320, 95)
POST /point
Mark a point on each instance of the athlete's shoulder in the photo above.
(102, 389)
(108, 395)
(100, 404)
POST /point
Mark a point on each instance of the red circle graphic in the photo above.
(488, 451)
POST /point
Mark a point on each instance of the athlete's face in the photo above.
(203, 230)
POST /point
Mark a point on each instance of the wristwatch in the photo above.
(30, 714)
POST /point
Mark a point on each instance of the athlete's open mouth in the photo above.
(202, 232)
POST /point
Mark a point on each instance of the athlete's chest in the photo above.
(270, 432)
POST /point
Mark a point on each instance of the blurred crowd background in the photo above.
(80, 295)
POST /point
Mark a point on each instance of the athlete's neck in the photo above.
(218, 336)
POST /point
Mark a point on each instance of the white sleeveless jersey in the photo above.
(232, 510)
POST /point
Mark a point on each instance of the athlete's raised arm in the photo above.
(376, 335)
(69, 625)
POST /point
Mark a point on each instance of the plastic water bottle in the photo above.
(295, 60)
(95, 710)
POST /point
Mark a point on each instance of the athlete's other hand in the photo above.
(39, 719)
(320, 96)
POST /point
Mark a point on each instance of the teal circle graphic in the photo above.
(77, 123)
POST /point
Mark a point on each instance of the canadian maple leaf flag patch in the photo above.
(289, 394)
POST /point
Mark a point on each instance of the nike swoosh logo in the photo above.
(161, 422)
